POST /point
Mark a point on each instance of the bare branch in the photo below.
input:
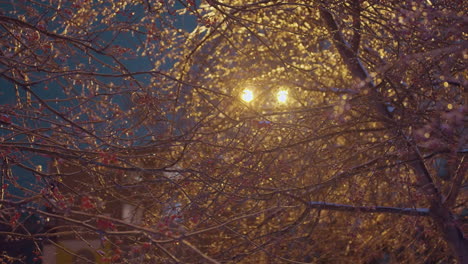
(369, 209)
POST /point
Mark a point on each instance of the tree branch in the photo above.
(356, 9)
(343, 47)
(369, 209)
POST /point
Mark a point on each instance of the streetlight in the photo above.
(247, 95)
(282, 96)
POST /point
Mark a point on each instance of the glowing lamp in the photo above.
(282, 96)
(247, 95)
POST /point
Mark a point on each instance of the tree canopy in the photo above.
(236, 131)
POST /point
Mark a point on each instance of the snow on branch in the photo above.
(369, 209)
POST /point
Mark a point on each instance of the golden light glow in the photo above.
(247, 95)
(282, 96)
